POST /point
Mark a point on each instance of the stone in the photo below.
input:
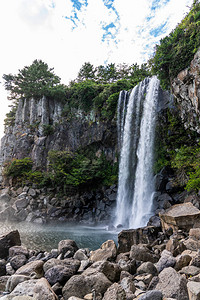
(193, 290)
(8, 240)
(115, 291)
(128, 285)
(14, 280)
(127, 265)
(65, 246)
(190, 271)
(195, 261)
(195, 233)
(166, 260)
(59, 273)
(142, 253)
(32, 268)
(2, 267)
(172, 284)
(35, 288)
(110, 270)
(175, 246)
(75, 298)
(73, 264)
(80, 285)
(145, 278)
(17, 250)
(21, 215)
(151, 295)
(21, 203)
(144, 235)
(180, 216)
(147, 267)
(9, 269)
(3, 282)
(192, 244)
(81, 254)
(18, 261)
(107, 251)
(182, 260)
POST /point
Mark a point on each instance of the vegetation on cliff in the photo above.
(175, 51)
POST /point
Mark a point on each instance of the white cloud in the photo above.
(39, 29)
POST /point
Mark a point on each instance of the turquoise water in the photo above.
(47, 236)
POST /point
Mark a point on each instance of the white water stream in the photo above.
(136, 126)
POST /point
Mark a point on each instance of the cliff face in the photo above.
(40, 127)
(186, 89)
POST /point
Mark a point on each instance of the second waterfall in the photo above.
(136, 127)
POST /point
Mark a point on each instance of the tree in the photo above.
(34, 81)
(87, 72)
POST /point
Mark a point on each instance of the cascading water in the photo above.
(136, 124)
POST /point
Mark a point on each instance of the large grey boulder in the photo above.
(147, 267)
(80, 285)
(172, 284)
(151, 295)
(14, 280)
(180, 216)
(18, 261)
(8, 240)
(18, 250)
(36, 289)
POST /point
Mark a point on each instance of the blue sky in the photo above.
(67, 33)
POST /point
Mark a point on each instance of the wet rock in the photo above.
(8, 240)
(107, 251)
(21, 203)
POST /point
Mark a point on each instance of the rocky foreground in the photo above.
(150, 263)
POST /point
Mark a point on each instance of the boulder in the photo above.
(192, 244)
(180, 216)
(142, 253)
(67, 248)
(107, 251)
(195, 233)
(190, 271)
(151, 295)
(18, 261)
(193, 290)
(73, 264)
(59, 273)
(32, 268)
(110, 270)
(14, 280)
(36, 289)
(115, 291)
(80, 285)
(172, 284)
(144, 235)
(3, 282)
(175, 246)
(2, 267)
(128, 285)
(21, 203)
(81, 254)
(17, 250)
(8, 214)
(8, 240)
(166, 260)
(147, 267)
(182, 260)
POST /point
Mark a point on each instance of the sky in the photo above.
(67, 33)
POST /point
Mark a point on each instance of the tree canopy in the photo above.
(32, 81)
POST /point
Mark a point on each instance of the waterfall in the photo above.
(136, 124)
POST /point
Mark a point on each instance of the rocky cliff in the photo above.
(186, 89)
(40, 127)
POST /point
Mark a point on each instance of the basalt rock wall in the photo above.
(39, 127)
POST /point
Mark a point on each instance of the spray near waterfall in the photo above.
(136, 127)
